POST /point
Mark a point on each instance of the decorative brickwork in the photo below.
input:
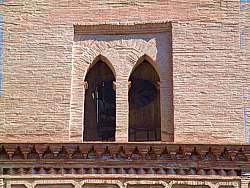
(122, 53)
(199, 49)
(122, 183)
(202, 160)
(210, 71)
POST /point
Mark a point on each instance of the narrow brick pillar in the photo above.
(122, 110)
(76, 127)
(166, 95)
(77, 102)
(167, 128)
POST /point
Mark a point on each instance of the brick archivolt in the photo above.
(116, 53)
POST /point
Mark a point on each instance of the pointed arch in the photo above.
(104, 59)
(144, 102)
(99, 102)
(150, 60)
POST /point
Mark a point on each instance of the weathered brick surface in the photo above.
(209, 69)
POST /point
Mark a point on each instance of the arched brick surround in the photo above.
(122, 52)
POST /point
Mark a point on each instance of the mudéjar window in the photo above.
(100, 104)
(122, 83)
(144, 104)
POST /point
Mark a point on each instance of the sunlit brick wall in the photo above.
(209, 74)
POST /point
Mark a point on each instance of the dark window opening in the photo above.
(100, 104)
(144, 104)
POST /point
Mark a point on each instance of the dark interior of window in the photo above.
(100, 104)
(144, 104)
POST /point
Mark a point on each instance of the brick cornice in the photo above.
(130, 158)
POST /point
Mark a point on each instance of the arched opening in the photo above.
(144, 104)
(99, 104)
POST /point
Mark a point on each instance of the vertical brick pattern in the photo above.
(209, 71)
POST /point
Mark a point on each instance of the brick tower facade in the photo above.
(126, 93)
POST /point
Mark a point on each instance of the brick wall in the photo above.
(209, 70)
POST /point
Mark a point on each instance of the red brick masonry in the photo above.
(132, 158)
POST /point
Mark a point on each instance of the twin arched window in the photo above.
(100, 104)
